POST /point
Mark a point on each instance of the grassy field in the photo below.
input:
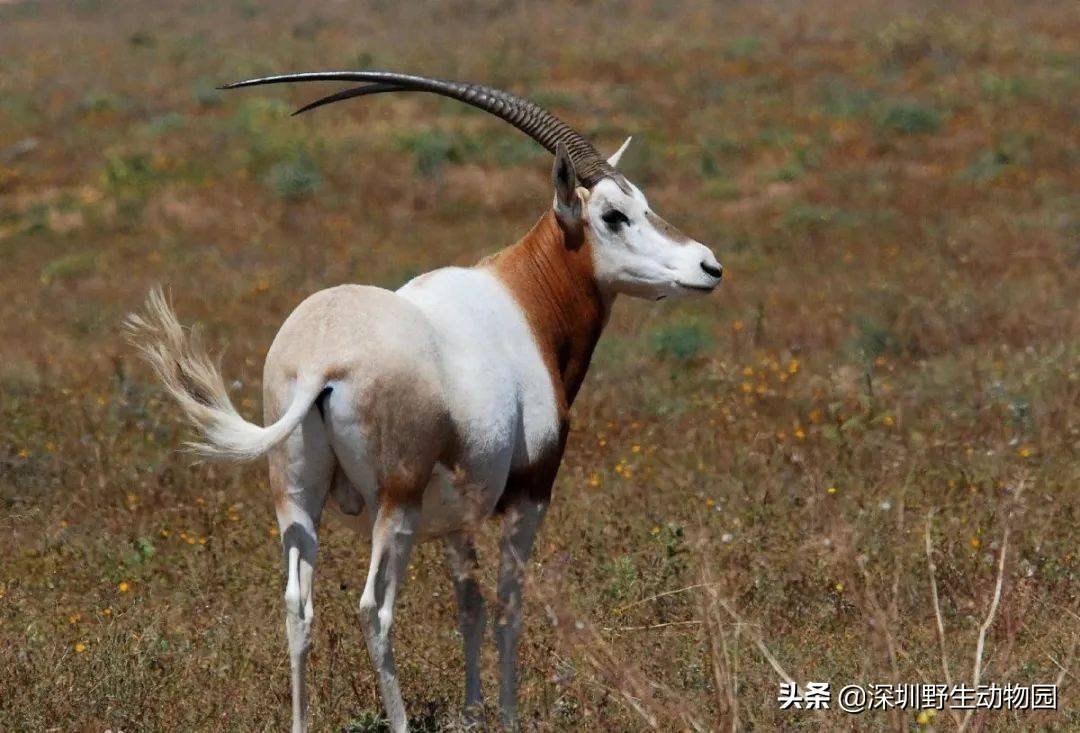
(892, 188)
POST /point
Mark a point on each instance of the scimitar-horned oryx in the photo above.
(443, 402)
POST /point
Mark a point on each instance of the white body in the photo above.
(497, 386)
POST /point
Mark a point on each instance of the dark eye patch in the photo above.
(614, 218)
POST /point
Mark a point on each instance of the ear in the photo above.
(613, 161)
(567, 204)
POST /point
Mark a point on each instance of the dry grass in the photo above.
(891, 188)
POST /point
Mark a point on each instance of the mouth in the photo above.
(699, 288)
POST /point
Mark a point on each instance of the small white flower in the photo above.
(886, 505)
(727, 537)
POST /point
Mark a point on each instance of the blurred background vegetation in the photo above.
(892, 188)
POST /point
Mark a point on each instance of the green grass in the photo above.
(910, 118)
(296, 179)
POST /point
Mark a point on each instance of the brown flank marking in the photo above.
(551, 276)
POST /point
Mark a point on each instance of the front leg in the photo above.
(461, 557)
(520, 524)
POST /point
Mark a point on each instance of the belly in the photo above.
(452, 502)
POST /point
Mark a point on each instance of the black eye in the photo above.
(614, 218)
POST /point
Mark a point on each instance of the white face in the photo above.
(637, 253)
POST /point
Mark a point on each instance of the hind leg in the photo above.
(392, 536)
(300, 474)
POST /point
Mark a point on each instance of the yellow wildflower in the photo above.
(124, 586)
(80, 648)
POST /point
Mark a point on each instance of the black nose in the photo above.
(717, 271)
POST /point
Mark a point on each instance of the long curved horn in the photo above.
(529, 117)
(350, 93)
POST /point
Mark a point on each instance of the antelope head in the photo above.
(635, 252)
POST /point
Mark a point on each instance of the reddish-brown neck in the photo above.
(552, 278)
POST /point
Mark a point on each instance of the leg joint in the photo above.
(369, 609)
(294, 606)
